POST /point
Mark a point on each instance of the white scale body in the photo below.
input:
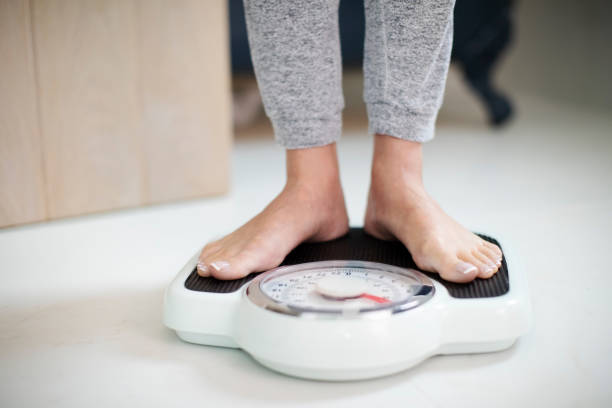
(313, 331)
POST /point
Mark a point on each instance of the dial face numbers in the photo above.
(341, 287)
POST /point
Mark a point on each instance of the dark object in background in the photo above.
(483, 30)
(239, 44)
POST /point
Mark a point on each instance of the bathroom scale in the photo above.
(353, 308)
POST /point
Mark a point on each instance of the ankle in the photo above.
(320, 200)
(397, 159)
(316, 163)
(396, 166)
(314, 169)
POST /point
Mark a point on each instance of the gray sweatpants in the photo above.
(295, 48)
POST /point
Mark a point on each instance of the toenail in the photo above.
(465, 268)
(219, 266)
(202, 269)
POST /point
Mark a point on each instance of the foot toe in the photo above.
(206, 254)
(487, 274)
(486, 266)
(457, 270)
(224, 267)
(491, 255)
(202, 269)
(217, 268)
(493, 248)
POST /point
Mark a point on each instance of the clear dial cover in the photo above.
(340, 288)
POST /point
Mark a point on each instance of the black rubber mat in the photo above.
(357, 245)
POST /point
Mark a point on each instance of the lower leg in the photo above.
(296, 56)
(407, 52)
(310, 207)
(399, 207)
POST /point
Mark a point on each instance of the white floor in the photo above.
(80, 300)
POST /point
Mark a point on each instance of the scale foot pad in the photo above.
(358, 245)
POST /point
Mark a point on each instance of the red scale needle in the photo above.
(376, 299)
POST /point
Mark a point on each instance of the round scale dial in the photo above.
(340, 287)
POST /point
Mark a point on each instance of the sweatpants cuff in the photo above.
(392, 121)
(305, 133)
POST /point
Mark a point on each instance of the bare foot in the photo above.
(310, 208)
(399, 207)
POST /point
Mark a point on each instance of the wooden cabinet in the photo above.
(108, 104)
